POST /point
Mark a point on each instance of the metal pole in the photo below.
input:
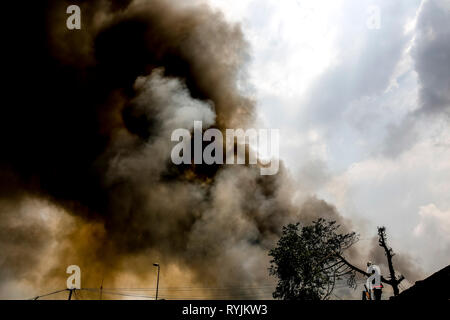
(70, 294)
(101, 289)
(157, 281)
(157, 284)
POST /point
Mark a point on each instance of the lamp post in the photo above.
(157, 281)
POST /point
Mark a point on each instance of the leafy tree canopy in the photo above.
(308, 260)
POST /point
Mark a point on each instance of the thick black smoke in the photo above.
(86, 176)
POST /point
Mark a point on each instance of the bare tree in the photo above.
(389, 253)
(393, 281)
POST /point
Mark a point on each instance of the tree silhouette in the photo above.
(393, 281)
(307, 261)
(382, 241)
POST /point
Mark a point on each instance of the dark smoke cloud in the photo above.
(86, 173)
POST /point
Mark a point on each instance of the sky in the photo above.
(360, 91)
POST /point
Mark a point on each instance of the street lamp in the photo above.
(157, 281)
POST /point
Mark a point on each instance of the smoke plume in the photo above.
(86, 176)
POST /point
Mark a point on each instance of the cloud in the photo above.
(365, 63)
(433, 235)
(433, 222)
(390, 191)
(430, 53)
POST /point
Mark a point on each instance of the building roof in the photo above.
(435, 287)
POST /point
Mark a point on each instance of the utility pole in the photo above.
(101, 289)
(70, 294)
(157, 281)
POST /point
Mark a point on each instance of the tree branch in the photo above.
(361, 271)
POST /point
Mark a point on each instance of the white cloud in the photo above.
(291, 41)
(391, 191)
(433, 222)
(432, 235)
